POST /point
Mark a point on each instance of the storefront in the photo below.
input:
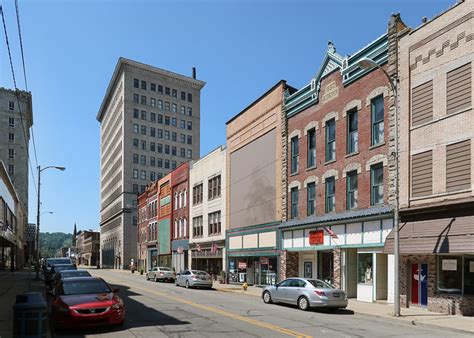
(347, 252)
(252, 255)
(152, 257)
(180, 254)
(437, 264)
(208, 256)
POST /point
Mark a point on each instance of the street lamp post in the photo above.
(38, 214)
(367, 63)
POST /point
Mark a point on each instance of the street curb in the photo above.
(237, 292)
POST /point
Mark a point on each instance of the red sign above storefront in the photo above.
(316, 237)
(242, 265)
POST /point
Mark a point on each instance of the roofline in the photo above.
(413, 30)
(219, 148)
(117, 71)
(281, 82)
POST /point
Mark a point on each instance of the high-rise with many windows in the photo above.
(150, 124)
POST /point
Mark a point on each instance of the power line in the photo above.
(21, 42)
(18, 98)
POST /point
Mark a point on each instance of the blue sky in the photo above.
(240, 48)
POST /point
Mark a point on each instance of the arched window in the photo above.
(180, 199)
(185, 225)
(180, 227)
(185, 198)
(175, 228)
(175, 200)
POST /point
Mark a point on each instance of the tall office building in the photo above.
(16, 118)
(150, 124)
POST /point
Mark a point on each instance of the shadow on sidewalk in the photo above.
(137, 315)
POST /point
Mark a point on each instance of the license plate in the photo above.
(335, 294)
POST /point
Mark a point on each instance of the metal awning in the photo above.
(447, 235)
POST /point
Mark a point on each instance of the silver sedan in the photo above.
(160, 274)
(305, 293)
(194, 278)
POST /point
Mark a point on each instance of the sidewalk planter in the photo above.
(30, 315)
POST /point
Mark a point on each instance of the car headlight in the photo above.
(118, 304)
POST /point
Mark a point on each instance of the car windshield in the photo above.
(320, 284)
(58, 268)
(52, 262)
(82, 287)
(165, 269)
(200, 273)
(74, 273)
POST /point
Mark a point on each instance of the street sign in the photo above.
(316, 237)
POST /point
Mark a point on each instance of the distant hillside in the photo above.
(51, 242)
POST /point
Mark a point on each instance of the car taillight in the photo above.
(161, 273)
(320, 293)
(195, 277)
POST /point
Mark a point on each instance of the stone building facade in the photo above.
(435, 71)
(150, 124)
(338, 210)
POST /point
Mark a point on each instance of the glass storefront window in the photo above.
(450, 274)
(365, 268)
(253, 270)
(469, 275)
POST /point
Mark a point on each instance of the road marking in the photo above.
(220, 312)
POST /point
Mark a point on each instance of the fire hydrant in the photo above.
(245, 286)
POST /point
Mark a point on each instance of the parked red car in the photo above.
(85, 302)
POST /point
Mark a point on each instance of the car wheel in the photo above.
(267, 298)
(303, 303)
(156, 279)
(187, 284)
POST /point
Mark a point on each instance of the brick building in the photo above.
(163, 243)
(254, 180)
(435, 68)
(147, 255)
(87, 247)
(338, 207)
(180, 217)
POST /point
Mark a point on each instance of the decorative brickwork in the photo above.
(289, 264)
(337, 282)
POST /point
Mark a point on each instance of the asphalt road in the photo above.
(164, 310)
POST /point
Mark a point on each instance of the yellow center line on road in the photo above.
(219, 311)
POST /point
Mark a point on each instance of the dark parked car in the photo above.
(55, 269)
(68, 274)
(84, 302)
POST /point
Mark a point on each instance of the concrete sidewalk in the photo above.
(413, 315)
(12, 284)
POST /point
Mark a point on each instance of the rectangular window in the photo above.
(160, 89)
(190, 125)
(182, 110)
(152, 161)
(190, 139)
(197, 194)
(197, 226)
(173, 165)
(159, 148)
(377, 120)
(167, 120)
(152, 132)
(214, 220)
(135, 188)
(167, 149)
(143, 159)
(152, 117)
(352, 132)
(152, 176)
(183, 96)
(352, 190)
(422, 174)
(376, 182)
(174, 93)
(143, 145)
(182, 138)
(182, 124)
(190, 97)
(136, 129)
(174, 136)
(135, 143)
(143, 100)
(365, 268)
(11, 153)
(143, 130)
(11, 122)
(159, 133)
(189, 153)
(167, 134)
(330, 140)
(153, 87)
(136, 83)
(143, 174)
(160, 104)
(11, 169)
(190, 111)
(152, 146)
(182, 152)
(294, 154)
(311, 148)
(153, 102)
(422, 103)
(160, 118)
(136, 113)
(174, 121)
(167, 164)
(330, 192)
(143, 85)
(311, 198)
(294, 202)
(174, 108)
(167, 91)
(11, 137)
(173, 150)
(214, 187)
(167, 105)
(159, 163)
(135, 173)
(135, 158)
(136, 98)
(450, 274)
(459, 89)
(11, 105)
(458, 166)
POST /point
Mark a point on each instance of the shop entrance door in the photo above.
(419, 284)
(325, 266)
